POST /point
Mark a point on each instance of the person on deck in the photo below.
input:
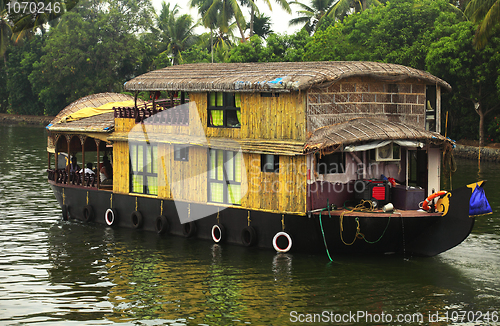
(106, 172)
(73, 167)
(88, 169)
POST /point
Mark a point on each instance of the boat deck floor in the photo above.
(378, 213)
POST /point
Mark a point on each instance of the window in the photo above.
(181, 153)
(270, 163)
(224, 110)
(144, 169)
(269, 94)
(330, 164)
(224, 176)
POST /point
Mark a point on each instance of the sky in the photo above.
(279, 17)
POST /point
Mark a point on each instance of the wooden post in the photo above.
(98, 170)
(136, 110)
(407, 168)
(438, 109)
(56, 152)
(68, 141)
(154, 102)
(82, 141)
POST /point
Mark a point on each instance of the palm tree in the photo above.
(335, 9)
(253, 8)
(343, 7)
(5, 29)
(219, 14)
(311, 15)
(26, 24)
(487, 14)
(261, 25)
(177, 32)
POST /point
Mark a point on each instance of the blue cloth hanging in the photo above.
(478, 204)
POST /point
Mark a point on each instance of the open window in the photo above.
(181, 153)
(330, 164)
(224, 110)
(270, 163)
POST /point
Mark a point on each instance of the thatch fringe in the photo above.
(257, 146)
(334, 137)
(270, 76)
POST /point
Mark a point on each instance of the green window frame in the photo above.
(224, 176)
(224, 110)
(144, 168)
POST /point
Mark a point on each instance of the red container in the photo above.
(373, 189)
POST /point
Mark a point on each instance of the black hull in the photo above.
(423, 236)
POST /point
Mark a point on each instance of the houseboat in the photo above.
(330, 157)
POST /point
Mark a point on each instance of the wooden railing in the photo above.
(75, 178)
(171, 113)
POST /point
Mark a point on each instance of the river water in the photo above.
(54, 272)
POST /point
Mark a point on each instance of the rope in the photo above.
(323, 232)
(356, 236)
(360, 208)
(372, 242)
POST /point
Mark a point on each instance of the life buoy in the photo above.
(88, 213)
(137, 220)
(110, 217)
(248, 236)
(65, 211)
(275, 242)
(425, 204)
(218, 233)
(189, 229)
(161, 224)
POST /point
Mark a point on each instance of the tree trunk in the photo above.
(481, 127)
(212, 44)
(242, 32)
(252, 15)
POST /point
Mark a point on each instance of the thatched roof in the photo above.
(272, 76)
(361, 130)
(98, 123)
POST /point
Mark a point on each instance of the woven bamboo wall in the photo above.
(270, 118)
(187, 179)
(282, 117)
(279, 192)
(121, 168)
(367, 97)
(124, 124)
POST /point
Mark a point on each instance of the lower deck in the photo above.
(379, 213)
(340, 231)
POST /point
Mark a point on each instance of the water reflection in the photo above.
(125, 276)
(56, 272)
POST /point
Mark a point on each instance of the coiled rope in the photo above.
(361, 207)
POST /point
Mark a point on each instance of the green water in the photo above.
(69, 273)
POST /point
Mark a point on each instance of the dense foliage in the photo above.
(100, 44)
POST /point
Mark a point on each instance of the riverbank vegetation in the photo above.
(49, 60)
